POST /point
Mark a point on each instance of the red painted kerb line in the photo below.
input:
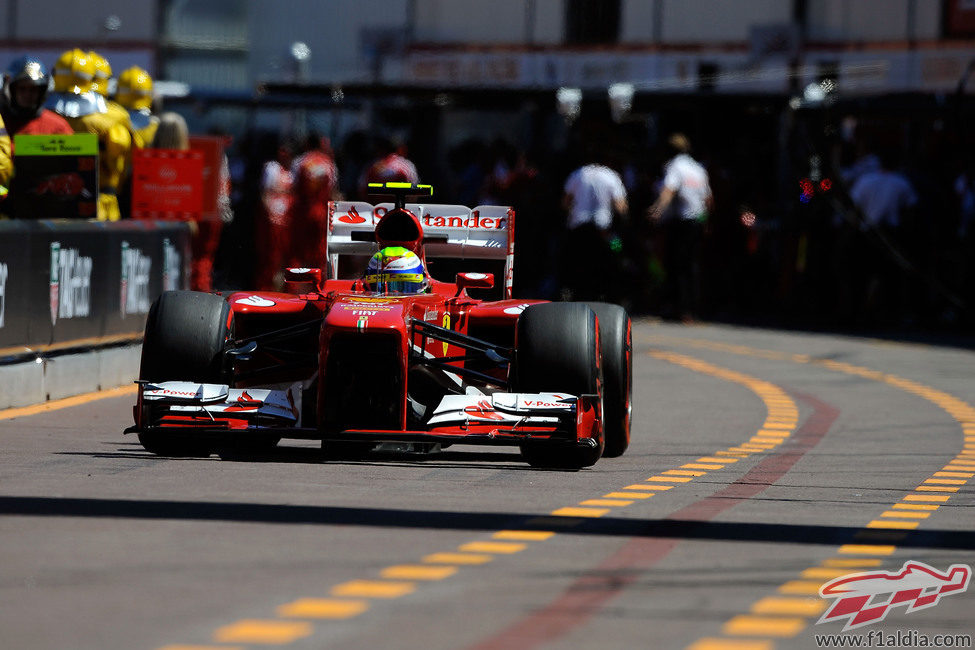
(593, 591)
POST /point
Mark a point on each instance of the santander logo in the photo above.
(352, 217)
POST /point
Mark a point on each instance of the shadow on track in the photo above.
(443, 520)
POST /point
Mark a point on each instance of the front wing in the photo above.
(221, 412)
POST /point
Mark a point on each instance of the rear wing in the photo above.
(486, 232)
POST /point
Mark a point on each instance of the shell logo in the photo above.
(255, 301)
(516, 310)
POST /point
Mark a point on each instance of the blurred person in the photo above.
(535, 200)
(25, 88)
(887, 200)
(682, 208)
(964, 187)
(389, 165)
(273, 229)
(315, 182)
(87, 112)
(593, 195)
(173, 133)
(134, 93)
(100, 83)
(6, 162)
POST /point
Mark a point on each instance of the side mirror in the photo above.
(304, 275)
(475, 280)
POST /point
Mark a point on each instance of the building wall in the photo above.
(44, 20)
(714, 21)
(235, 44)
(336, 33)
(868, 21)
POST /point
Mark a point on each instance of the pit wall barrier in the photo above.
(74, 296)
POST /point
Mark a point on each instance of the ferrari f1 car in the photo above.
(357, 367)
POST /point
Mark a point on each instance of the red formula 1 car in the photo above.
(355, 366)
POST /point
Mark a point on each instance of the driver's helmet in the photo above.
(395, 269)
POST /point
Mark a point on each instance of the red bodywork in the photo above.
(361, 352)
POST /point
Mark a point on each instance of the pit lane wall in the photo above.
(74, 296)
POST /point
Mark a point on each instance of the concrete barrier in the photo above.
(44, 379)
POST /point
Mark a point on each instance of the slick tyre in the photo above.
(557, 352)
(184, 340)
(615, 351)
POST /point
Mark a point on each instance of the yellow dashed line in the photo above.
(674, 479)
(418, 572)
(851, 563)
(328, 608)
(955, 474)
(800, 587)
(867, 549)
(932, 488)
(641, 486)
(730, 644)
(499, 548)
(701, 466)
(945, 481)
(612, 503)
(373, 589)
(269, 632)
(525, 535)
(683, 472)
(580, 512)
(790, 606)
(906, 514)
(926, 497)
(710, 459)
(732, 454)
(660, 487)
(628, 495)
(915, 506)
(764, 626)
(822, 573)
(906, 525)
(458, 558)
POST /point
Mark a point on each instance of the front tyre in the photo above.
(184, 341)
(557, 351)
(616, 355)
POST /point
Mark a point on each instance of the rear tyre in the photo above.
(557, 352)
(615, 351)
(184, 341)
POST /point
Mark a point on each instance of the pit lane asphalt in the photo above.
(107, 547)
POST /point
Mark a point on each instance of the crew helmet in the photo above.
(25, 70)
(395, 269)
(74, 72)
(103, 72)
(134, 90)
